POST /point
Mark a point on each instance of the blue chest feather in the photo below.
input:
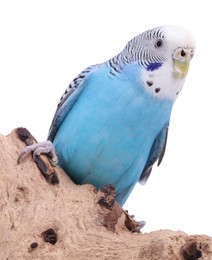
(107, 135)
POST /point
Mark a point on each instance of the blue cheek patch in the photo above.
(154, 66)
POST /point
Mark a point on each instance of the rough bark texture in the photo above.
(44, 217)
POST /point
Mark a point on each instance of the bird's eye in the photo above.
(158, 43)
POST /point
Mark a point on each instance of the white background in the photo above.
(45, 44)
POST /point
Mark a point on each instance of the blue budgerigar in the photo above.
(111, 123)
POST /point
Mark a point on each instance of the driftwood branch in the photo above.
(44, 215)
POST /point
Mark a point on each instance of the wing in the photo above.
(69, 98)
(156, 153)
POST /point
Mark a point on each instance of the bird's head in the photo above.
(165, 53)
(167, 43)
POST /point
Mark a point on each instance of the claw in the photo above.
(141, 224)
(46, 147)
(132, 224)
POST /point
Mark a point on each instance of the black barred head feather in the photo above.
(147, 48)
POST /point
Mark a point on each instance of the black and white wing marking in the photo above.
(156, 153)
(69, 98)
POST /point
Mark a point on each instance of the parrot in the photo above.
(111, 123)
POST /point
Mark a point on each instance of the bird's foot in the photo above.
(46, 147)
(44, 164)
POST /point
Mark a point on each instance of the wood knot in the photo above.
(24, 135)
(49, 236)
(107, 196)
(189, 251)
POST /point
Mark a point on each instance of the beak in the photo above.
(181, 61)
